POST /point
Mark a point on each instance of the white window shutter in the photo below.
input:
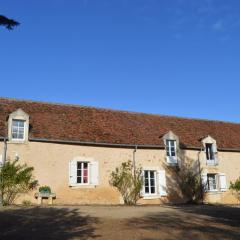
(94, 173)
(72, 173)
(214, 146)
(204, 181)
(175, 147)
(222, 182)
(215, 154)
(1, 160)
(162, 183)
(205, 148)
(142, 191)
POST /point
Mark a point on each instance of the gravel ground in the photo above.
(120, 222)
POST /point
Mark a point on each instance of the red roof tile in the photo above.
(88, 124)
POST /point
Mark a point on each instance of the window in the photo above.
(154, 184)
(150, 182)
(83, 172)
(212, 182)
(18, 129)
(209, 151)
(171, 148)
(171, 151)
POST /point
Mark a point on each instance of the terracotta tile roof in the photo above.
(88, 124)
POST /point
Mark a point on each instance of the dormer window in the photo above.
(171, 143)
(210, 148)
(18, 125)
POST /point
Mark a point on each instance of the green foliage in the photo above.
(45, 189)
(235, 185)
(189, 181)
(128, 183)
(15, 179)
(26, 203)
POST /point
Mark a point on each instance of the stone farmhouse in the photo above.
(74, 149)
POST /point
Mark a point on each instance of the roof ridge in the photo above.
(115, 110)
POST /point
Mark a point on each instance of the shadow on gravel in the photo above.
(45, 223)
(226, 215)
(191, 222)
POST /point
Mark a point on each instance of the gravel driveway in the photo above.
(120, 222)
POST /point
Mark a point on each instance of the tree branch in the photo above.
(8, 23)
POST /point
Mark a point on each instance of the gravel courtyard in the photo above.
(120, 222)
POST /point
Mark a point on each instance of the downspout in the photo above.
(199, 172)
(134, 161)
(3, 162)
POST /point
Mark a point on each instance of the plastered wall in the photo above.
(51, 162)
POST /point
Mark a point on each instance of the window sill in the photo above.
(172, 164)
(17, 142)
(213, 191)
(148, 197)
(213, 163)
(172, 161)
(82, 186)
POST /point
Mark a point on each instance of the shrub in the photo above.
(15, 179)
(128, 183)
(190, 183)
(235, 186)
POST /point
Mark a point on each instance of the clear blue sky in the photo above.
(174, 57)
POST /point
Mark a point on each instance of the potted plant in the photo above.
(45, 190)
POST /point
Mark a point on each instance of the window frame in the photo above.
(216, 182)
(210, 155)
(23, 130)
(149, 183)
(82, 173)
(170, 147)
